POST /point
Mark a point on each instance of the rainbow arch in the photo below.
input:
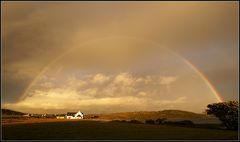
(193, 67)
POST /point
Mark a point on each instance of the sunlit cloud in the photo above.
(124, 79)
(100, 78)
(167, 81)
(120, 89)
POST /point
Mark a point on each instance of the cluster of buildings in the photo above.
(69, 115)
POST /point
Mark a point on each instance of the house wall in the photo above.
(60, 117)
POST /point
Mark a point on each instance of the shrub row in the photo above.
(159, 121)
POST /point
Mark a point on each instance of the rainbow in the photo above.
(193, 67)
(205, 79)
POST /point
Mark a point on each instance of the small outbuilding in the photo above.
(61, 116)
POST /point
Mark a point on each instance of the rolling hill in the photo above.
(11, 112)
(169, 114)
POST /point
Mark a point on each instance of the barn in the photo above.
(74, 115)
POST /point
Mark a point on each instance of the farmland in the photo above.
(116, 126)
(53, 129)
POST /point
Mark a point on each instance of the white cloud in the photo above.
(142, 93)
(148, 79)
(100, 78)
(74, 82)
(124, 79)
(167, 80)
(139, 80)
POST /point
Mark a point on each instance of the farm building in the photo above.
(26, 115)
(74, 115)
(61, 116)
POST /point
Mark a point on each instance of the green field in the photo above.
(83, 130)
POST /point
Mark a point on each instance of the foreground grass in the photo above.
(83, 130)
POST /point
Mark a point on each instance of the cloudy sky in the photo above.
(101, 57)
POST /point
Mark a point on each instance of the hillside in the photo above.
(169, 114)
(149, 115)
(11, 112)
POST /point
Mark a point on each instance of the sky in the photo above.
(102, 57)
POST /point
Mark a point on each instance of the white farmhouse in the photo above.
(74, 115)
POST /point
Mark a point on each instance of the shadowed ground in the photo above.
(82, 130)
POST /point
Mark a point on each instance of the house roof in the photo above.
(60, 114)
(71, 113)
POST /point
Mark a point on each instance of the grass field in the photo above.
(83, 130)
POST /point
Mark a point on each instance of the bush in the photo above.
(115, 121)
(95, 116)
(122, 121)
(161, 120)
(149, 121)
(50, 116)
(180, 123)
(227, 112)
(169, 122)
(135, 121)
(184, 123)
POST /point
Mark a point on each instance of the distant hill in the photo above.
(150, 115)
(169, 114)
(11, 112)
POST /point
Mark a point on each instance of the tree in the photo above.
(160, 120)
(227, 112)
(149, 121)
